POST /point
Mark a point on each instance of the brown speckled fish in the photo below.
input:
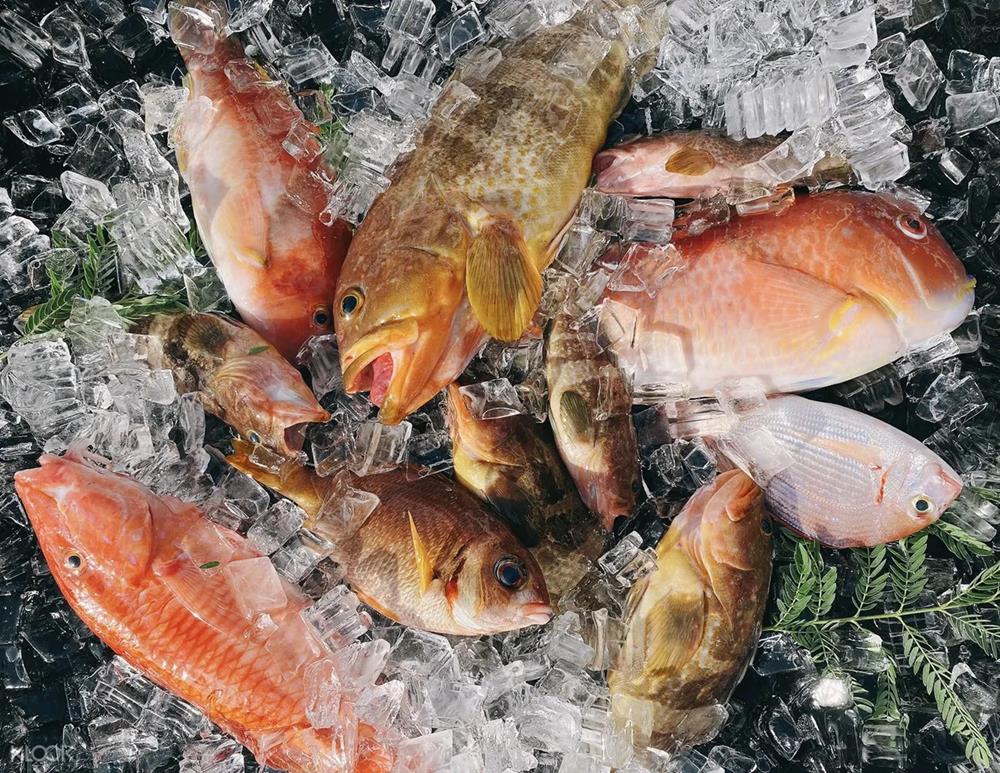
(453, 251)
(430, 555)
(693, 623)
(236, 374)
(513, 464)
(260, 209)
(692, 163)
(589, 406)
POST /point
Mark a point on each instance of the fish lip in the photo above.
(389, 337)
(294, 435)
(536, 613)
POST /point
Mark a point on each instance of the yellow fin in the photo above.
(575, 415)
(242, 222)
(424, 567)
(675, 623)
(504, 284)
(690, 162)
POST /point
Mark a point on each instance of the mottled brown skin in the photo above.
(463, 539)
(236, 374)
(602, 454)
(513, 161)
(693, 623)
(513, 464)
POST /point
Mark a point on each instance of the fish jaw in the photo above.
(398, 364)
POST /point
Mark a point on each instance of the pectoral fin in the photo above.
(241, 223)
(503, 282)
(425, 567)
(205, 593)
(690, 162)
(575, 415)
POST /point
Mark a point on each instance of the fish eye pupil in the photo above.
(350, 302)
(73, 561)
(510, 573)
(765, 526)
(921, 504)
(913, 223)
(254, 437)
(321, 317)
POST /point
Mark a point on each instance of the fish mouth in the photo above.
(394, 364)
(535, 613)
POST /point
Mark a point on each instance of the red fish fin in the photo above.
(203, 591)
(503, 282)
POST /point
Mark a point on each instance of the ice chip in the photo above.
(968, 112)
(33, 128)
(627, 561)
(336, 619)
(919, 77)
(275, 526)
(308, 59)
(256, 586)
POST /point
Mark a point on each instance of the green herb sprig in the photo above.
(889, 583)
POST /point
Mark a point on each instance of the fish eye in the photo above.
(254, 437)
(510, 573)
(912, 226)
(73, 561)
(766, 526)
(352, 301)
(922, 505)
(321, 317)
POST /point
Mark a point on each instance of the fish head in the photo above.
(396, 335)
(499, 587)
(735, 529)
(918, 487)
(290, 327)
(265, 399)
(95, 528)
(920, 282)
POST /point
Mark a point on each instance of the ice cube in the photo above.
(951, 400)
(336, 619)
(273, 528)
(778, 654)
(244, 14)
(361, 664)
(65, 29)
(927, 353)
(627, 561)
(852, 29)
(758, 453)
(161, 105)
(23, 40)
(153, 249)
(514, 19)
(256, 585)
(968, 112)
(308, 59)
(782, 732)
(882, 162)
(345, 510)
(426, 752)
(732, 761)
(212, 754)
(300, 555)
(33, 128)
(918, 76)
(924, 12)
(419, 654)
(379, 705)
(496, 399)
(649, 220)
(885, 741)
(458, 32)
(379, 447)
(955, 165)
(549, 723)
(888, 55)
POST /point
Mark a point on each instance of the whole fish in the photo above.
(258, 184)
(430, 555)
(838, 285)
(196, 609)
(692, 624)
(840, 476)
(688, 164)
(513, 464)
(236, 374)
(453, 251)
(589, 405)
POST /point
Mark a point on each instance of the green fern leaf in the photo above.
(871, 578)
(977, 629)
(887, 693)
(52, 313)
(907, 569)
(797, 587)
(958, 541)
(984, 589)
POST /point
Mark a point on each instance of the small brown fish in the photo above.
(237, 375)
(589, 406)
(429, 556)
(692, 163)
(693, 623)
(513, 464)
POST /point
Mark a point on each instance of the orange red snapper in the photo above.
(453, 251)
(430, 555)
(192, 606)
(259, 209)
(691, 164)
(838, 285)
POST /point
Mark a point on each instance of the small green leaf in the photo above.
(209, 565)
(259, 349)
